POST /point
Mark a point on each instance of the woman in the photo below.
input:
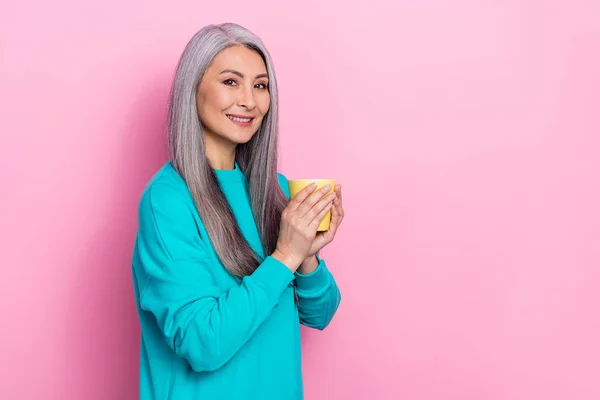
(225, 267)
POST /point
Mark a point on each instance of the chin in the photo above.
(242, 139)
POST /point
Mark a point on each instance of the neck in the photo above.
(220, 155)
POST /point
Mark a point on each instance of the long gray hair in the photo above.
(257, 158)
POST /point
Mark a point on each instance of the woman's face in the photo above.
(233, 96)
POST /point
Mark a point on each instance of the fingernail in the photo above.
(327, 187)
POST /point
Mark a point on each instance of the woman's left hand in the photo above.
(337, 216)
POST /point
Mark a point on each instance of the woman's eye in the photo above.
(261, 86)
(230, 82)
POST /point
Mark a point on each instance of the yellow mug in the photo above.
(296, 185)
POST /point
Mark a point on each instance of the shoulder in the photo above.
(168, 225)
(283, 183)
(165, 193)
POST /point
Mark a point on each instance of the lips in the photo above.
(240, 118)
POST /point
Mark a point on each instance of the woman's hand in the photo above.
(299, 223)
(322, 239)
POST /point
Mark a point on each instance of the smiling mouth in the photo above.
(240, 119)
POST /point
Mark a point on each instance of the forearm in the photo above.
(205, 327)
(318, 295)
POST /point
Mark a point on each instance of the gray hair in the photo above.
(257, 158)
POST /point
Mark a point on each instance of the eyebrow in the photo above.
(233, 71)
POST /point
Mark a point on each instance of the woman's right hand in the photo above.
(299, 223)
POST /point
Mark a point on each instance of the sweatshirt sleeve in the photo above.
(318, 294)
(201, 322)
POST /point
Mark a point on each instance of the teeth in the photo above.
(239, 119)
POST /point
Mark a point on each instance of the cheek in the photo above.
(263, 103)
(221, 100)
(214, 99)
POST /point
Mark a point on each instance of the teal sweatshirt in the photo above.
(206, 335)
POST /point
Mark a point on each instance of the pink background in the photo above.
(467, 139)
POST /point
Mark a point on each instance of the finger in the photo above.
(336, 202)
(302, 195)
(313, 199)
(317, 208)
(340, 210)
(339, 192)
(316, 221)
(333, 226)
(321, 239)
(339, 202)
(334, 213)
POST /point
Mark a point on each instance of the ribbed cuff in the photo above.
(315, 282)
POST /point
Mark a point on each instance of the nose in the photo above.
(246, 98)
